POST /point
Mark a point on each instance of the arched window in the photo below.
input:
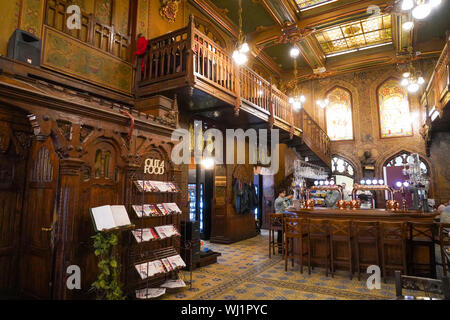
(340, 166)
(339, 115)
(402, 160)
(394, 110)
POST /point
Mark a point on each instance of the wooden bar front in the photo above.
(420, 256)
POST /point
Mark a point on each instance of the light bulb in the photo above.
(207, 163)
(362, 182)
(421, 11)
(435, 3)
(407, 4)
(244, 48)
(294, 52)
(406, 184)
(374, 181)
(380, 181)
(291, 100)
(326, 101)
(368, 181)
(302, 98)
(321, 183)
(408, 25)
(406, 74)
(332, 182)
(413, 87)
(316, 183)
(404, 82)
(327, 183)
(421, 80)
(296, 105)
(398, 184)
(239, 58)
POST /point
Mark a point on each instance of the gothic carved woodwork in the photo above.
(292, 34)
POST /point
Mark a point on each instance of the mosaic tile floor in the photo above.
(244, 271)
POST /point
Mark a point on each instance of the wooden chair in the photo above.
(318, 231)
(275, 224)
(430, 287)
(393, 235)
(366, 233)
(444, 242)
(341, 233)
(422, 235)
(295, 229)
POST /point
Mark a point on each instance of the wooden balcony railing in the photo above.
(188, 57)
(437, 91)
(93, 32)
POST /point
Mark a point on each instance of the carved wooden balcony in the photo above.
(436, 98)
(188, 63)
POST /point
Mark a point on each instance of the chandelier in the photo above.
(297, 100)
(240, 54)
(412, 80)
(419, 9)
(323, 103)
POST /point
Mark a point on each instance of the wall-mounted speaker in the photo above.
(24, 46)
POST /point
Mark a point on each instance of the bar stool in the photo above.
(444, 242)
(295, 229)
(422, 235)
(318, 232)
(341, 233)
(275, 224)
(393, 235)
(366, 233)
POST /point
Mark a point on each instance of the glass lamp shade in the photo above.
(408, 25)
(294, 52)
(239, 57)
(421, 11)
(407, 4)
(413, 87)
(404, 82)
(244, 48)
(435, 3)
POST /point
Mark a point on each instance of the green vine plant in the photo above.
(107, 284)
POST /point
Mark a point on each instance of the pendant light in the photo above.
(417, 9)
(240, 54)
(296, 100)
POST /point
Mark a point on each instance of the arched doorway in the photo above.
(344, 173)
(394, 171)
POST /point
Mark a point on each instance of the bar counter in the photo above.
(418, 255)
(364, 214)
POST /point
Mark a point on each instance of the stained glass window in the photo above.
(309, 4)
(339, 115)
(356, 34)
(394, 110)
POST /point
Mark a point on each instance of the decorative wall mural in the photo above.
(103, 10)
(142, 18)
(169, 9)
(72, 57)
(395, 120)
(32, 12)
(339, 115)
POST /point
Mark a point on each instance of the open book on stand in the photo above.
(109, 217)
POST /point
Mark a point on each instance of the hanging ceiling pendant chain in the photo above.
(240, 54)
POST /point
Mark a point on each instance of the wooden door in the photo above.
(39, 222)
(12, 184)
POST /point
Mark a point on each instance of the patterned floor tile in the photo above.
(244, 271)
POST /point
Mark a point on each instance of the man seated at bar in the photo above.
(444, 212)
(331, 198)
(281, 203)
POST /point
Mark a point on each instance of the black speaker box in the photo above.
(25, 47)
(192, 252)
(190, 230)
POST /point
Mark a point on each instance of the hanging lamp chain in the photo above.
(241, 35)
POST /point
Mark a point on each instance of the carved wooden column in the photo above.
(68, 207)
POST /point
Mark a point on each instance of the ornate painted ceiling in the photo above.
(333, 35)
